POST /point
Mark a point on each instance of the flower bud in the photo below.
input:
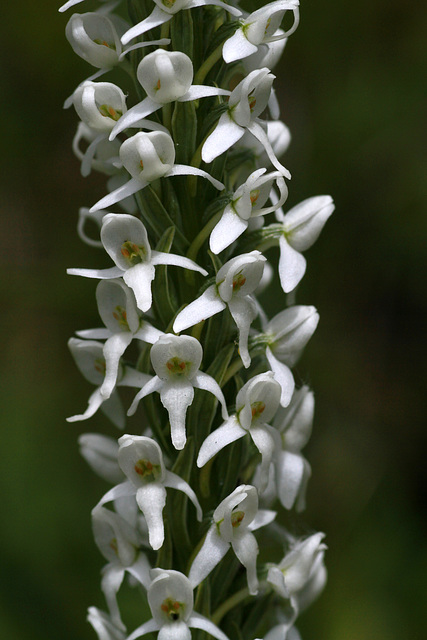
(303, 223)
(290, 331)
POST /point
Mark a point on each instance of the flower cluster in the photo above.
(220, 417)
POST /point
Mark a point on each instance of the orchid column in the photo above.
(191, 144)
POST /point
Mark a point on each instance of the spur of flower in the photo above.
(256, 403)
(123, 322)
(171, 601)
(165, 76)
(89, 358)
(233, 522)
(125, 239)
(246, 102)
(176, 361)
(120, 544)
(235, 281)
(148, 157)
(247, 202)
(260, 27)
(141, 460)
(164, 11)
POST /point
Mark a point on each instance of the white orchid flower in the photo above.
(247, 202)
(292, 470)
(170, 597)
(148, 157)
(279, 137)
(103, 625)
(235, 281)
(256, 403)
(164, 11)
(100, 452)
(298, 231)
(176, 361)
(141, 460)
(89, 358)
(297, 569)
(288, 333)
(120, 544)
(125, 239)
(123, 322)
(233, 522)
(166, 76)
(258, 28)
(105, 155)
(247, 101)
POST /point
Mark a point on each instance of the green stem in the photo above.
(164, 31)
(202, 236)
(234, 367)
(229, 604)
(208, 64)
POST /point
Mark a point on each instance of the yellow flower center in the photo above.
(119, 314)
(172, 608)
(238, 282)
(257, 409)
(177, 366)
(108, 111)
(236, 518)
(133, 253)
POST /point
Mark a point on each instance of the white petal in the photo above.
(212, 552)
(265, 444)
(95, 401)
(259, 133)
(204, 307)
(197, 91)
(103, 274)
(217, 3)
(175, 482)
(284, 377)
(198, 621)
(132, 117)
(228, 229)
(176, 396)
(112, 578)
(139, 279)
(204, 381)
(227, 433)
(94, 334)
(289, 474)
(226, 133)
(174, 631)
(119, 194)
(141, 570)
(261, 519)
(147, 627)
(154, 384)
(148, 333)
(246, 549)
(113, 350)
(151, 499)
(133, 378)
(114, 411)
(292, 266)
(156, 18)
(187, 170)
(121, 490)
(179, 261)
(237, 47)
(244, 311)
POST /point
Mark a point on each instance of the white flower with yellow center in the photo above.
(235, 281)
(148, 157)
(165, 76)
(170, 597)
(260, 27)
(89, 358)
(256, 403)
(247, 202)
(176, 361)
(246, 103)
(125, 239)
(123, 322)
(233, 522)
(141, 460)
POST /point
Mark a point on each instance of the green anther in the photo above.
(257, 409)
(236, 518)
(119, 314)
(238, 282)
(168, 3)
(254, 195)
(178, 367)
(109, 112)
(105, 44)
(172, 608)
(147, 470)
(133, 253)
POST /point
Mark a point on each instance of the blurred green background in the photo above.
(352, 89)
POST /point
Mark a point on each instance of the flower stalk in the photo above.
(195, 180)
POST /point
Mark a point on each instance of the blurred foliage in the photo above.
(352, 89)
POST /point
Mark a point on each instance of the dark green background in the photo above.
(352, 89)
